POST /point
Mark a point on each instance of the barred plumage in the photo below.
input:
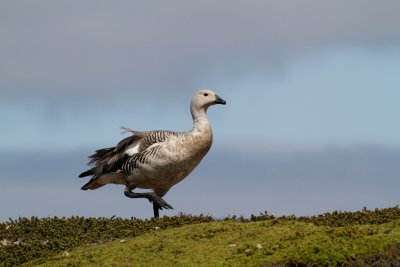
(140, 158)
(153, 137)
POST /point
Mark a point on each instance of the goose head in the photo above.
(205, 98)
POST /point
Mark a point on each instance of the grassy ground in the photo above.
(358, 239)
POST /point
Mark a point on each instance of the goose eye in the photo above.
(205, 94)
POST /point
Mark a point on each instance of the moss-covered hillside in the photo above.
(339, 238)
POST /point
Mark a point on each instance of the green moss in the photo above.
(199, 239)
(233, 243)
(30, 239)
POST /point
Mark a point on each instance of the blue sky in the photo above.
(346, 96)
(311, 87)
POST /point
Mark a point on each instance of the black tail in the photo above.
(86, 173)
(86, 186)
(92, 184)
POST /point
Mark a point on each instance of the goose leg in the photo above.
(156, 209)
(160, 192)
(158, 202)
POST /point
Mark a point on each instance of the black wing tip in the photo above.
(86, 173)
(87, 185)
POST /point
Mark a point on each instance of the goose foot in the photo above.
(161, 203)
(158, 202)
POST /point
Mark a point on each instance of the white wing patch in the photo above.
(133, 149)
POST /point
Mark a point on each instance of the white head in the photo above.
(202, 99)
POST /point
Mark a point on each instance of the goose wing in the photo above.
(135, 146)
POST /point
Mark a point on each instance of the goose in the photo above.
(155, 160)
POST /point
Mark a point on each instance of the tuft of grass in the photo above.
(345, 235)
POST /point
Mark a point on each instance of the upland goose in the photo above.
(155, 160)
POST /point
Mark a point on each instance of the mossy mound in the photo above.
(350, 238)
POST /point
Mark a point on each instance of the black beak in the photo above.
(219, 100)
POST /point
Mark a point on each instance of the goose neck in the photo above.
(200, 121)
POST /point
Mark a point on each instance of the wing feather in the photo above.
(133, 149)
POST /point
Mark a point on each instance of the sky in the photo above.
(311, 87)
